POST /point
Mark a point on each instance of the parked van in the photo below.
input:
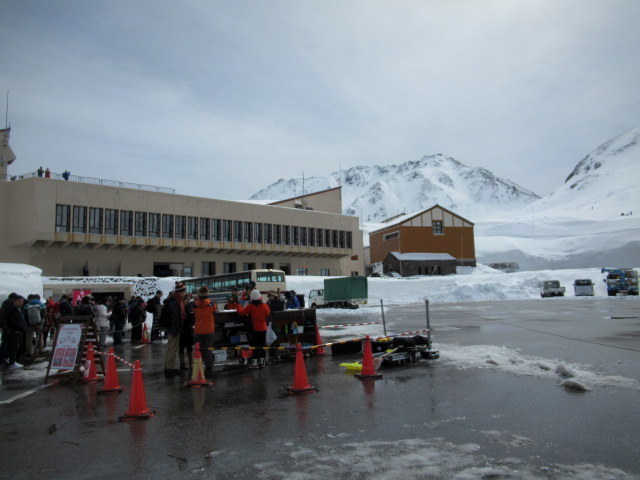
(583, 287)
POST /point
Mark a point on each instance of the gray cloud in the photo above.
(222, 98)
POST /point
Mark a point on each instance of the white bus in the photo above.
(220, 285)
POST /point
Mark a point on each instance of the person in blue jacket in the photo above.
(292, 300)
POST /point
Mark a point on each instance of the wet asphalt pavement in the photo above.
(247, 425)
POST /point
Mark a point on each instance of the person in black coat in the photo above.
(65, 306)
(177, 314)
(119, 316)
(15, 330)
(137, 317)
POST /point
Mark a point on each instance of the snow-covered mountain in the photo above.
(375, 193)
(592, 220)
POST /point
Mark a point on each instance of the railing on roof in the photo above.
(91, 180)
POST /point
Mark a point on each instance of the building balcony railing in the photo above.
(91, 180)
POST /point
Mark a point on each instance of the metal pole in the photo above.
(426, 302)
(384, 323)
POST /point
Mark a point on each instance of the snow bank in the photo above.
(20, 278)
(416, 459)
(479, 284)
(511, 361)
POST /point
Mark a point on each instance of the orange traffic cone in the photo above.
(90, 375)
(319, 350)
(138, 400)
(111, 382)
(300, 382)
(368, 371)
(145, 335)
(197, 372)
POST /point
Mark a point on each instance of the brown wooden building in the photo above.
(435, 230)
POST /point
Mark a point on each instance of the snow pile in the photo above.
(143, 286)
(415, 459)
(510, 361)
(19, 278)
(483, 284)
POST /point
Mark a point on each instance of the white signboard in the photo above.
(64, 356)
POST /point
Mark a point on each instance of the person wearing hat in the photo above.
(204, 312)
(275, 304)
(258, 311)
(177, 314)
(232, 300)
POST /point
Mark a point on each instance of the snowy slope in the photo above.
(379, 192)
(592, 220)
(19, 278)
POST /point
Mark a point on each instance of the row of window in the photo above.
(155, 225)
(437, 226)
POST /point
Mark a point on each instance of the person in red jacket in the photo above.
(258, 311)
(203, 312)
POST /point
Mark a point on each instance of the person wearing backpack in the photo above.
(35, 315)
(173, 315)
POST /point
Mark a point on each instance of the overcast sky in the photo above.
(221, 99)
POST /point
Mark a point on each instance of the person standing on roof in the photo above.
(258, 311)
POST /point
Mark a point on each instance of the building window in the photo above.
(303, 236)
(341, 238)
(111, 221)
(312, 237)
(267, 233)
(277, 234)
(257, 230)
(141, 224)
(320, 237)
(80, 219)
(192, 228)
(126, 222)
(303, 272)
(95, 220)
(437, 228)
(324, 272)
(354, 274)
(248, 232)
(390, 236)
(229, 267)
(181, 226)
(217, 229)
(62, 218)
(327, 238)
(349, 240)
(204, 229)
(237, 231)
(226, 231)
(286, 268)
(248, 266)
(154, 225)
(295, 236)
(334, 238)
(286, 235)
(268, 266)
(208, 268)
(167, 226)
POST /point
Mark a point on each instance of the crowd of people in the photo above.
(185, 319)
(28, 324)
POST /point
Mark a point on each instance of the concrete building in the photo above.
(96, 227)
(432, 231)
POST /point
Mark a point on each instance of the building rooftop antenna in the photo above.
(6, 113)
